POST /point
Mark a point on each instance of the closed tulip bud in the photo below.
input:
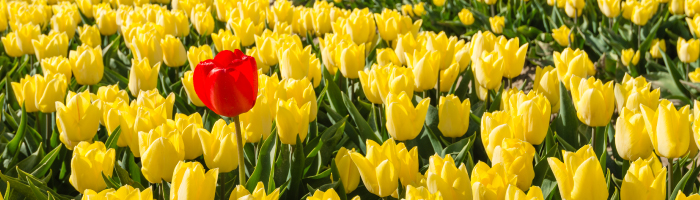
(694, 76)
(497, 126)
(445, 178)
(202, 20)
(631, 137)
(174, 54)
(688, 50)
(668, 128)
(86, 64)
(267, 47)
(657, 46)
(594, 101)
(571, 63)
(292, 120)
(452, 112)
(466, 17)
(641, 15)
(677, 7)
(63, 22)
(347, 169)
(219, 147)
(328, 47)
(49, 90)
(225, 40)
(380, 169)
(513, 56)
(561, 35)
(580, 175)
(302, 92)
(407, 9)
(246, 30)
(408, 165)
(425, 65)
(90, 35)
(191, 182)
(123, 192)
(360, 25)
(448, 77)
(391, 23)
(403, 120)
(258, 193)
(609, 8)
(497, 23)
(533, 109)
(387, 56)
(516, 156)
(107, 22)
(645, 179)
(419, 9)
(633, 92)
(89, 162)
(321, 21)
(350, 59)
(488, 69)
(223, 9)
(189, 129)
(514, 193)
(405, 44)
(24, 35)
(257, 122)
(629, 56)
(547, 83)
(85, 7)
(56, 65)
(161, 150)
(76, 120)
(445, 47)
(574, 8)
(142, 76)
(491, 182)
(281, 11)
(25, 92)
(198, 54)
(11, 44)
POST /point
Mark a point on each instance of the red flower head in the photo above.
(227, 84)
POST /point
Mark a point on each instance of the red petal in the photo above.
(202, 83)
(223, 58)
(231, 96)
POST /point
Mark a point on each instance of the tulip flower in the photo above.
(419, 9)
(448, 77)
(382, 80)
(580, 175)
(89, 163)
(328, 50)
(516, 156)
(76, 120)
(161, 149)
(466, 17)
(379, 169)
(677, 7)
(421, 193)
(403, 120)
(189, 128)
(347, 169)
(225, 40)
(292, 120)
(405, 44)
(142, 76)
(497, 23)
(629, 56)
(257, 122)
(594, 101)
(609, 8)
(514, 193)
(693, 25)
(174, 54)
(482, 42)
(90, 36)
(491, 182)
(329, 194)
(444, 46)
(86, 64)
(488, 69)
(11, 44)
(657, 46)
(111, 93)
(302, 92)
(688, 50)
(52, 45)
(425, 65)
(281, 11)
(513, 56)
(269, 85)
(296, 62)
(445, 178)
(282, 29)
(25, 93)
(547, 83)
(56, 65)
(360, 25)
(261, 66)
(223, 9)
(202, 20)
(634, 92)
(391, 23)
(123, 192)
(631, 137)
(258, 193)
(302, 21)
(682, 196)
(350, 58)
(387, 56)
(561, 35)
(452, 112)
(642, 14)
(669, 140)
(195, 55)
(191, 182)
(49, 90)
(571, 63)
(408, 165)
(497, 126)
(246, 30)
(106, 21)
(321, 21)
(645, 179)
(533, 110)
(240, 78)
(219, 146)
(151, 100)
(24, 34)
(574, 8)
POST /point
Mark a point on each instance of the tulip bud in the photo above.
(225, 40)
(645, 179)
(513, 56)
(405, 44)
(107, 22)
(497, 126)
(688, 51)
(24, 34)
(328, 50)
(609, 8)
(629, 56)
(292, 120)
(258, 193)
(562, 36)
(223, 9)
(52, 45)
(86, 64)
(488, 69)
(152, 100)
(56, 65)
(25, 92)
(174, 54)
(202, 20)
(547, 83)
(514, 193)
(391, 23)
(444, 46)
(516, 156)
(425, 65)
(669, 140)
(219, 147)
(142, 76)
(497, 23)
(594, 102)
(281, 11)
(257, 122)
(453, 116)
(77, 120)
(571, 63)
(189, 129)
(657, 45)
(380, 169)
(11, 44)
(347, 169)
(634, 92)
(50, 90)
(90, 35)
(267, 47)
(466, 17)
(419, 9)
(574, 8)
(642, 14)
(246, 30)
(403, 120)
(580, 175)
(682, 196)
(631, 137)
(198, 54)
(350, 59)
(190, 181)
(387, 56)
(89, 163)
(533, 109)
(161, 150)
(123, 192)
(445, 178)
(677, 7)
(407, 9)
(694, 76)
(448, 77)
(491, 182)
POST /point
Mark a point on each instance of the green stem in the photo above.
(222, 187)
(593, 138)
(48, 127)
(669, 168)
(493, 10)
(571, 32)
(239, 142)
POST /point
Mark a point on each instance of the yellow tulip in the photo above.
(223, 9)
(676, 7)
(191, 182)
(497, 126)
(147, 46)
(261, 66)
(439, 3)
(513, 56)
(347, 168)
(466, 17)
(497, 23)
(360, 25)
(609, 8)
(657, 45)
(251, 9)
(561, 35)
(329, 194)
(246, 30)
(328, 47)
(132, 122)
(25, 92)
(405, 44)
(694, 76)
(89, 163)
(56, 65)
(448, 77)
(202, 20)
(514, 193)
(369, 79)
(189, 129)
(557, 3)
(631, 137)
(670, 141)
(488, 69)
(49, 90)
(425, 65)
(641, 15)
(90, 36)
(594, 101)
(174, 54)
(76, 120)
(22, 13)
(547, 83)
(516, 156)
(302, 21)
(580, 175)
(11, 44)
(107, 22)
(386, 56)
(490, 2)
(694, 25)
(452, 112)
(198, 54)
(281, 11)
(688, 50)
(321, 21)
(421, 193)
(444, 46)
(225, 40)
(533, 110)
(257, 122)
(350, 58)
(380, 169)
(692, 7)
(219, 147)
(419, 9)
(391, 23)
(151, 100)
(682, 196)
(24, 35)
(111, 93)
(634, 92)
(482, 42)
(63, 22)
(407, 9)
(142, 76)
(123, 192)
(301, 91)
(571, 63)
(491, 182)
(292, 120)
(240, 193)
(269, 85)
(445, 178)
(383, 80)
(403, 120)
(408, 165)
(85, 7)
(574, 8)
(161, 150)
(645, 179)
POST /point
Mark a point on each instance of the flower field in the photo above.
(350, 99)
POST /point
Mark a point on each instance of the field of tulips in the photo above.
(350, 99)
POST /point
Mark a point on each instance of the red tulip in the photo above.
(227, 84)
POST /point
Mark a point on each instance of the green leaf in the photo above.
(671, 67)
(124, 178)
(110, 182)
(13, 146)
(297, 170)
(265, 163)
(567, 120)
(334, 94)
(366, 132)
(111, 142)
(682, 182)
(437, 146)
